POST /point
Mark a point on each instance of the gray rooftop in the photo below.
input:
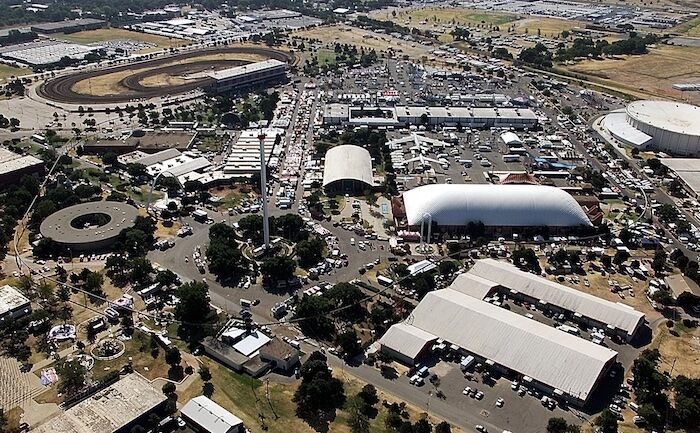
(11, 299)
(237, 71)
(107, 410)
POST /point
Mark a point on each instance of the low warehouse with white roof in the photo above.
(347, 168)
(551, 359)
(209, 417)
(617, 318)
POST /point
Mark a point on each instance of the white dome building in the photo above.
(670, 127)
(452, 207)
(346, 169)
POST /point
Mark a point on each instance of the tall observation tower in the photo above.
(263, 191)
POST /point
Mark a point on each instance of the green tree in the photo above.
(173, 357)
(319, 394)
(349, 344)
(357, 416)
(204, 373)
(607, 421)
(71, 377)
(447, 267)
(194, 302)
(310, 251)
(277, 268)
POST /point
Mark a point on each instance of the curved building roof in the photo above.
(347, 162)
(494, 205)
(669, 116)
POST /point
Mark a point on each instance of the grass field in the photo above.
(325, 57)
(688, 28)
(101, 35)
(247, 398)
(682, 352)
(363, 38)
(652, 74)
(7, 72)
(451, 16)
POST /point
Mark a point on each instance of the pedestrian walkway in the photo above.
(16, 387)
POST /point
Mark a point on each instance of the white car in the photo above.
(500, 402)
(514, 385)
(466, 391)
(480, 428)
(479, 395)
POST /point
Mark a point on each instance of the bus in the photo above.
(384, 281)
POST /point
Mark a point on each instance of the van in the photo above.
(466, 162)
(423, 371)
(246, 303)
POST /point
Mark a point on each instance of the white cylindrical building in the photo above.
(666, 126)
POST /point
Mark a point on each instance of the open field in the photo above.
(247, 398)
(682, 352)
(688, 28)
(7, 72)
(447, 16)
(652, 74)
(363, 38)
(101, 35)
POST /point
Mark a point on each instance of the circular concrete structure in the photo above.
(60, 225)
(673, 126)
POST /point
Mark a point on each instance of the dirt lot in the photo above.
(363, 38)
(101, 35)
(653, 74)
(682, 352)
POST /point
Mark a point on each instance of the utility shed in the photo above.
(209, 417)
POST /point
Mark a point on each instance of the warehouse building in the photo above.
(543, 357)
(13, 166)
(69, 26)
(488, 277)
(114, 409)
(347, 169)
(670, 127)
(503, 209)
(343, 114)
(13, 304)
(208, 417)
(252, 74)
(688, 171)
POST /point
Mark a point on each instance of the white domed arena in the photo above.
(505, 208)
(671, 127)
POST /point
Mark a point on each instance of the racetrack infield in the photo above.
(138, 81)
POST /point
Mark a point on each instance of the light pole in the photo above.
(263, 191)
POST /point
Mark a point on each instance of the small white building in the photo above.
(13, 304)
(207, 416)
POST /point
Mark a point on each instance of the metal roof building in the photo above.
(615, 316)
(547, 357)
(666, 126)
(113, 409)
(347, 168)
(493, 205)
(13, 304)
(210, 417)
